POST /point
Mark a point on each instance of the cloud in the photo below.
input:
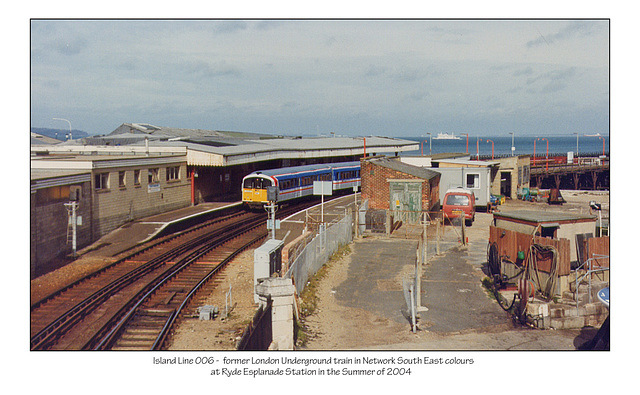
(207, 70)
(553, 80)
(570, 31)
(351, 77)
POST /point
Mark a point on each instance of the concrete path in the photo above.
(453, 293)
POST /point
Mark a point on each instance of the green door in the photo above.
(406, 200)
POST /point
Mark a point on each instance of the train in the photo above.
(293, 183)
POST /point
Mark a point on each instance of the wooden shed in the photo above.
(513, 236)
(551, 224)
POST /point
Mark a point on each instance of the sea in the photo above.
(524, 145)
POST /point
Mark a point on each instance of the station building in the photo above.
(108, 191)
(140, 170)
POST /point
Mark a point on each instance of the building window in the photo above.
(136, 177)
(122, 179)
(153, 176)
(173, 173)
(473, 181)
(101, 181)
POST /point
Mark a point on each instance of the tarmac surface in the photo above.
(458, 313)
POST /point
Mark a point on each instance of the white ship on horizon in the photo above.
(446, 136)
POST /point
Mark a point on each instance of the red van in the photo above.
(458, 201)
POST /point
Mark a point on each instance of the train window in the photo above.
(290, 183)
(256, 183)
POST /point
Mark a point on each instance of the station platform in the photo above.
(118, 243)
(141, 231)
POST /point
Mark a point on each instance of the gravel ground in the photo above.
(222, 333)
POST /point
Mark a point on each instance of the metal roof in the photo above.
(41, 178)
(467, 162)
(397, 165)
(91, 162)
(306, 168)
(539, 217)
(221, 148)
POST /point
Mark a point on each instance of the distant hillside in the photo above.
(61, 133)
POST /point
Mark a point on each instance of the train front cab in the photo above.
(254, 190)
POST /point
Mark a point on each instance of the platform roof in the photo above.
(222, 148)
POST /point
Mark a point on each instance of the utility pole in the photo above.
(513, 147)
(66, 120)
(272, 196)
(72, 208)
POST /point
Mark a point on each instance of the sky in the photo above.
(315, 77)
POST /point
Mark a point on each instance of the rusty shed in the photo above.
(550, 224)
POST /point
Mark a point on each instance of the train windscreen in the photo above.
(256, 183)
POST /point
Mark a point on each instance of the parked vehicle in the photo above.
(458, 201)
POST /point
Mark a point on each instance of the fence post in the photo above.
(463, 232)
(438, 236)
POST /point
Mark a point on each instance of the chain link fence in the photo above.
(319, 250)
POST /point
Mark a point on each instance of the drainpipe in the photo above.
(193, 187)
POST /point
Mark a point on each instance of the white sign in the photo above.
(153, 187)
(324, 188)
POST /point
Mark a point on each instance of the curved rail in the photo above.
(48, 335)
(52, 333)
(107, 335)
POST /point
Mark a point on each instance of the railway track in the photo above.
(134, 303)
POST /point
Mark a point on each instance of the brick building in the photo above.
(389, 184)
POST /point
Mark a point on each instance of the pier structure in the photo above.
(586, 175)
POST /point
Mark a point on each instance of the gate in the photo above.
(406, 200)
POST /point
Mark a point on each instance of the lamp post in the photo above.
(577, 144)
(365, 147)
(547, 157)
(478, 140)
(602, 144)
(492, 145)
(466, 134)
(513, 147)
(62, 119)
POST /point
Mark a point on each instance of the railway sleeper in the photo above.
(128, 343)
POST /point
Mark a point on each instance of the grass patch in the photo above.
(309, 297)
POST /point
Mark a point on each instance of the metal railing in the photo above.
(588, 266)
(319, 250)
